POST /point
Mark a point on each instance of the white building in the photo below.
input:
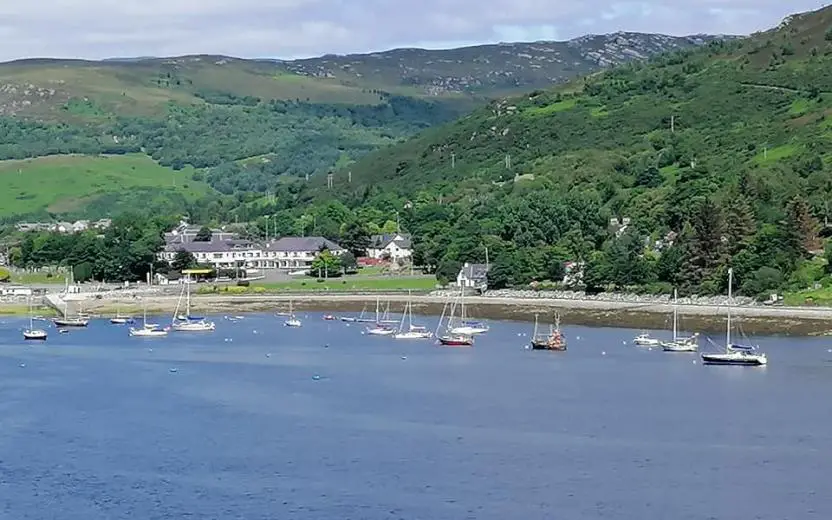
(394, 247)
(473, 276)
(296, 252)
(291, 253)
(15, 290)
(220, 254)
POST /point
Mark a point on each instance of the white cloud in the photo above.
(295, 28)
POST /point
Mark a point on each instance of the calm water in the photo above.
(94, 424)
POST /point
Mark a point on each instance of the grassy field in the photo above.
(347, 284)
(37, 278)
(820, 297)
(67, 183)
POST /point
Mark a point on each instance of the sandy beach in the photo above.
(706, 318)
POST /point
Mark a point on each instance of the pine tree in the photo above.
(703, 243)
(800, 228)
(740, 225)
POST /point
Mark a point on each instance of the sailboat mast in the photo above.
(728, 328)
(675, 314)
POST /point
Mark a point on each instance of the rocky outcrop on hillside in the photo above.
(504, 66)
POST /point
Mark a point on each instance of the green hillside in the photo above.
(245, 124)
(93, 186)
(728, 147)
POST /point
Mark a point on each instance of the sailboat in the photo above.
(33, 333)
(380, 329)
(679, 344)
(67, 321)
(293, 321)
(359, 319)
(468, 327)
(448, 338)
(118, 319)
(188, 323)
(552, 341)
(734, 354)
(148, 330)
(412, 331)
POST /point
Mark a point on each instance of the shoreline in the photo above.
(598, 313)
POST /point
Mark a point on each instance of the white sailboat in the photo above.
(188, 323)
(380, 329)
(32, 333)
(467, 327)
(118, 319)
(148, 330)
(293, 321)
(679, 343)
(411, 331)
(734, 354)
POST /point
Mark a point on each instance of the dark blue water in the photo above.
(95, 424)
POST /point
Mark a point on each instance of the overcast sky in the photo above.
(303, 28)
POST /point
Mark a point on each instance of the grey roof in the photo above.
(382, 241)
(476, 272)
(214, 246)
(301, 244)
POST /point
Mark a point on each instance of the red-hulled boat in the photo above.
(457, 340)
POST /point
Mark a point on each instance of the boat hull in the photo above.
(121, 321)
(752, 360)
(148, 333)
(381, 332)
(71, 323)
(456, 342)
(680, 347)
(34, 336)
(545, 345)
(194, 327)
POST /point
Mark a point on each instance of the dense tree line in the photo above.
(125, 251)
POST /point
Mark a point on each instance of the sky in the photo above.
(94, 29)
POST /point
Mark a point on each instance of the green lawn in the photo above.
(560, 106)
(820, 297)
(69, 183)
(776, 153)
(346, 284)
(37, 278)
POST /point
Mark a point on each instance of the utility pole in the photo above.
(349, 177)
(672, 124)
(329, 177)
(486, 258)
(398, 227)
(453, 160)
(508, 161)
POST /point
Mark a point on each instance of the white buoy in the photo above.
(316, 377)
(623, 342)
(577, 337)
(650, 349)
(268, 354)
(694, 361)
(23, 365)
(150, 350)
(604, 353)
(254, 332)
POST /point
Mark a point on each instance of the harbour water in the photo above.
(260, 421)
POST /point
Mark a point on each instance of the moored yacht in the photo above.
(644, 340)
(734, 354)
